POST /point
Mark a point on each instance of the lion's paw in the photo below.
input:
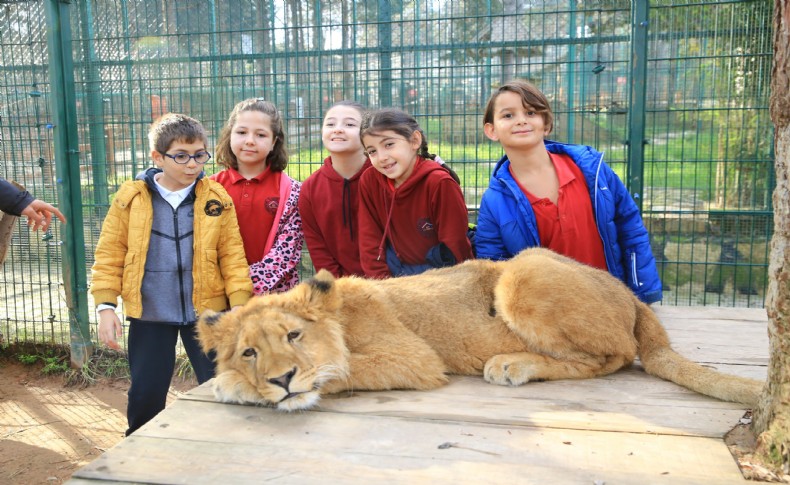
(505, 370)
(230, 387)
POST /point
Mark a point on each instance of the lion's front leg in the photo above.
(381, 367)
(522, 367)
(231, 387)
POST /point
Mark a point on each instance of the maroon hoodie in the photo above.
(428, 208)
(328, 204)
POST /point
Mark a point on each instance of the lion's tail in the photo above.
(660, 360)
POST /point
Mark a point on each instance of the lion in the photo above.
(539, 316)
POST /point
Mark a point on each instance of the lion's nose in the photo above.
(284, 380)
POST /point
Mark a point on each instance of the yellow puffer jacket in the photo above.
(219, 268)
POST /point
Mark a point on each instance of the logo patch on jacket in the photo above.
(426, 227)
(271, 204)
(213, 208)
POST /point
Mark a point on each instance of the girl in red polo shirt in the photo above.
(329, 200)
(412, 214)
(251, 147)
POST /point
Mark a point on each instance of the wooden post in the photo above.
(7, 224)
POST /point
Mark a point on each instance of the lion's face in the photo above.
(278, 350)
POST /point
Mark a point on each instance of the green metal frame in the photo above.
(67, 146)
(636, 119)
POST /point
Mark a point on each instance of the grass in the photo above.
(681, 160)
(104, 363)
(51, 359)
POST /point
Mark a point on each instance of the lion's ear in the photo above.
(322, 281)
(208, 330)
(321, 291)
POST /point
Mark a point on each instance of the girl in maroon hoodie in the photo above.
(329, 200)
(412, 214)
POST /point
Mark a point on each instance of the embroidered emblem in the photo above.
(271, 204)
(426, 227)
(213, 208)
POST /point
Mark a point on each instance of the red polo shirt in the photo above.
(569, 226)
(256, 201)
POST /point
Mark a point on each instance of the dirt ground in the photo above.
(48, 431)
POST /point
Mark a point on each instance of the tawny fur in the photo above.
(538, 316)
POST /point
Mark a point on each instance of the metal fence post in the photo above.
(64, 123)
(95, 107)
(571, 121)
(637, 94)
(385, 52)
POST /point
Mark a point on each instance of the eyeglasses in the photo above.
(183, 158)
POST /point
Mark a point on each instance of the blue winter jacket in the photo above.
(506, 223)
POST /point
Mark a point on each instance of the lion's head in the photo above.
(280, 349)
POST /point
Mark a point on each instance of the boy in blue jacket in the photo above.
(558, 196)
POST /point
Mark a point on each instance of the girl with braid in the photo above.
(412, 214)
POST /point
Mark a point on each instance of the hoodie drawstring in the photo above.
(387, 228)
(348, 218)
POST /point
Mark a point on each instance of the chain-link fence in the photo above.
(674, 93)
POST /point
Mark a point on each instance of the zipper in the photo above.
(597, 214)
(178, 259)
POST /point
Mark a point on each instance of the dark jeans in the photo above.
(152, 359)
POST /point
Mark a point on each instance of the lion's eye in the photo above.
(249, 353)
(293, 335)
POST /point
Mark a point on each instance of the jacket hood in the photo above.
(587, 158)
(422, 168)
(148, 175)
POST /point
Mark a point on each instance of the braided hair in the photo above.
(393, 119)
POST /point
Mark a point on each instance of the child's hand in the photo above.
(109, 328)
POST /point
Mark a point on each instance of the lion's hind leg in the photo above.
(522, 367)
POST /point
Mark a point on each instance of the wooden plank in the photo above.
(717, 336)
(632, 402)
(7, 224)
(666, 312)
(255, 445)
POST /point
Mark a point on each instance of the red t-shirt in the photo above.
(569, 226)
(256, 200)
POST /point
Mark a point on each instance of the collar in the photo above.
(564, 173)
(235, 177)
(173, 197)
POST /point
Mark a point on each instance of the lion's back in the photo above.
(452, 309)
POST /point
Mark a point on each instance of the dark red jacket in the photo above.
(329, 205)
(425, 210)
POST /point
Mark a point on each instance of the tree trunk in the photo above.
(772, 418)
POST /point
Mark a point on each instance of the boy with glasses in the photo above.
(170, 247)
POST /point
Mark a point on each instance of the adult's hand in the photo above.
(39, 215)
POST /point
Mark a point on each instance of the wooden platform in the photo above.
(628, 428)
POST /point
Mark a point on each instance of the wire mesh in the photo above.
(708, 163)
